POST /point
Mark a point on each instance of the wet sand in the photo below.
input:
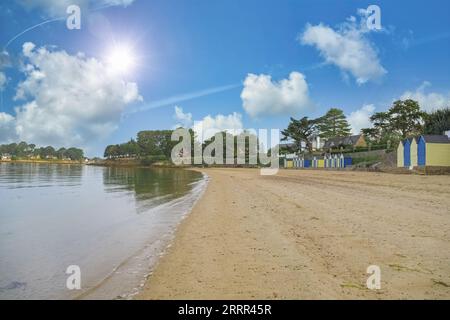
(305, 234)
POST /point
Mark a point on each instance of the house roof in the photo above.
(287, 145)
(429, 138)
(337, 141)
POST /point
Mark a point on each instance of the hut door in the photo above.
(421, 152)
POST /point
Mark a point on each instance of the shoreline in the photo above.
(309, 235)
(44, 161)
(137, 267)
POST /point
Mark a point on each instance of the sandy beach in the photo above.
(305, 234)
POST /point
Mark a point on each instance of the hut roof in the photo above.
(429, 138)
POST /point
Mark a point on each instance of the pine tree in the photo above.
(300, 131)
(334, 124)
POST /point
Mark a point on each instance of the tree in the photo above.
(370, 134)
(47, 152)
(402, 120)
(437, 122)
(406, 118)
(301, 130)
(111, 151)
(156, 142)
(61, 153)
(381, 131)
(333, 124)
(75, 154)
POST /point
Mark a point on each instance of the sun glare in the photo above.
(121, 59)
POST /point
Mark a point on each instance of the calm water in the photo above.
(111, 222)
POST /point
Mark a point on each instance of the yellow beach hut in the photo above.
(320, 163)
(433, 150)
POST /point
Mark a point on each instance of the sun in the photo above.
(121, 59)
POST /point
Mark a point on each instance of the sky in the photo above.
(218, 64)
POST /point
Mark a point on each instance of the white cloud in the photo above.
(262, 96)
(2, 81)
(183, 119)
(360, 118)
(27, 49)
(347, 47)
(427, 101)
(208, 126)
(69, 99)
(7, 130)
(57, 8)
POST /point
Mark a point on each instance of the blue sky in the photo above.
(191, 48)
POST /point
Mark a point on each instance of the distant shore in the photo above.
(42, 161)
(306, 234)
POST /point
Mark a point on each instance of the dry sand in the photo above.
(305, 234)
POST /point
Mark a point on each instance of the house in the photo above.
(433, 150)
(342, 142)
(316, 142)
(6, 157)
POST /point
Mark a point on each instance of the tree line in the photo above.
(153, 144)
(24, 150)
(403, 119)
(156, 145)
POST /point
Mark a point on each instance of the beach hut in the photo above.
(413, 152)
(407, 152)
(335, 161)
(433, 150)
(307, 163)
(347, 162)
(329, 161)
(320, 163)
(341, 161)
(400, 154)
(289, 163)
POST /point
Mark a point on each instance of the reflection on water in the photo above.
(30, 175)
(53, 216)
(158, 186)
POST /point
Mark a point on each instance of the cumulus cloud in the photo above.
(68, 99)
(57, 8)
(360, 118)
(209, 125)
(428, 101)
(184, 120)
(262, 96)
(7, 130)
(347, 47)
